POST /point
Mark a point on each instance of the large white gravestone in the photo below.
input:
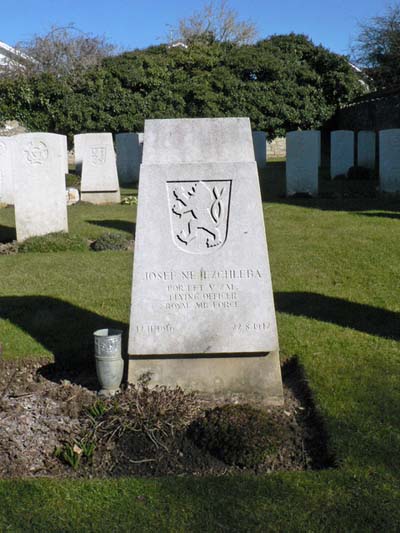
(202, 313)
(342, 152)
(260, 148)
(39, 181)
(94, 154)
(389, 160)
(6, 175)
(129, 156)
(303, 158)
(366, 149)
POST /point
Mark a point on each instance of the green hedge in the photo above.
(282, 83)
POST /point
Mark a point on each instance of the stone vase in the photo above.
(109, 362)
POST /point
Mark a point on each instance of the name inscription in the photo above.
(202, 290)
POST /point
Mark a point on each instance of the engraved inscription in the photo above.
(36, 152)
(202, 289)
(3, 148)
(98, 155)
(199, 214)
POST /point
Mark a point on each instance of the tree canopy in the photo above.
(282, 83)
(376, 49)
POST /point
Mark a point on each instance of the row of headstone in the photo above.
(95, 161)
(303, 158)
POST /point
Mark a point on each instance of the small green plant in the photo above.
(97, 409)
(129, 200)
(110, 241)
(73, 452)
(239, 435)
(53, 242)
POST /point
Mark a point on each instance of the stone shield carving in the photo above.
(199, 214)
(98, 155)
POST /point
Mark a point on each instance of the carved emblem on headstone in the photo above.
(36, 152)
(98, 155)
(3, 148)
(199, 214)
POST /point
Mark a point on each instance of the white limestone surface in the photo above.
(260, 148)
(303, 156)
(129, 156)
(6, 174)
(366, 149)
(202, 313)
(39, 181)
(197, 140)
(342, 152)
(95, 155)
(389, 160)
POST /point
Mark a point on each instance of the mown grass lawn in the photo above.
(336, 275)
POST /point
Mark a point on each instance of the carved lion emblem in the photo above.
(199, 213)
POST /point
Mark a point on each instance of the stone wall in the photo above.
(11, 127)
(377, 111)
(276, 148)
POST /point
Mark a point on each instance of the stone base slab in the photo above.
(112, 197)
(250, 378)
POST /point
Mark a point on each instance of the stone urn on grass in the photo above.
(109, 362)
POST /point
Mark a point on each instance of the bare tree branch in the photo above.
(215, 21)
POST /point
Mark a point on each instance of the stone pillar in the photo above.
(6, 174)
(260, 148)
(366, 149)
(94, 154)
(342, 152)
(39, 184)
(303, 157)
(129, 157)
(389, 160)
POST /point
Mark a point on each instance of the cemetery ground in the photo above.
(335, 267)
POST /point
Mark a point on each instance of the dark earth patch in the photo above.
(139, 432)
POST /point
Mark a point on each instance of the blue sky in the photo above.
(139, 23)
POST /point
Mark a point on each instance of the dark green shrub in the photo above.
(53, 242)
(110, 241)
(237, 434)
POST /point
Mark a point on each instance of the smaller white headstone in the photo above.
(260, 148)
(303, 156)
(389, 160)
(72, 195)
(342, 152)
(39, 177)
(95, 153)
(366, 149)
(6, 175)
(129, 156)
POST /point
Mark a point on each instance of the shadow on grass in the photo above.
(120, 225)
(7, 234)
(62, 328)
(316, 440)
(361, 317)
(394, 216)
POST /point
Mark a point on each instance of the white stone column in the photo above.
(39, 184)
(389, 160)
(260, 148)
(366, 149)
(303, 156)
(342, 152)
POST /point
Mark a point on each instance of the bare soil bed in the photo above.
(53, 424)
